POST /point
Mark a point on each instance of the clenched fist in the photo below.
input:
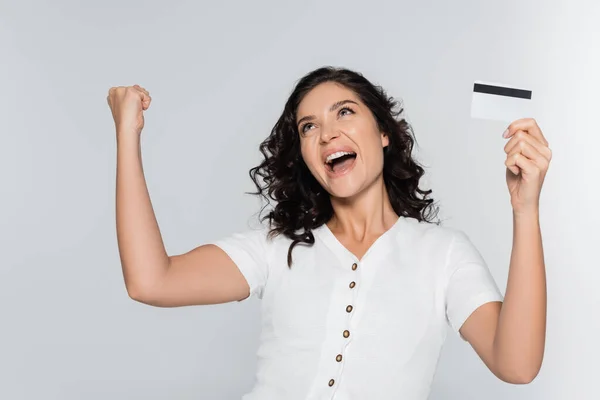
(127, 104)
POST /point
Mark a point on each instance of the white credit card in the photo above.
(500, 102)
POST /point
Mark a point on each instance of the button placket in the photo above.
(346, 333)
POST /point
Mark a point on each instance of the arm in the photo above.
(510, 337)
(520, 336)
(205, 275)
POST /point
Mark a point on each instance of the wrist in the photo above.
(527, 216)
(127, 136)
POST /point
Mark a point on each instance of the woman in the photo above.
(357, 284)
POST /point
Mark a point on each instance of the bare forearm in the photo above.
(520, 334)
(142, 252)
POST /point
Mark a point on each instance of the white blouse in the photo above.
(335, 327)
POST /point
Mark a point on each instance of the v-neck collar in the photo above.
(334, 244)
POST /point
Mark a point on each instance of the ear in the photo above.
(385, 140)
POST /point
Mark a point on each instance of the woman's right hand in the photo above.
(127, 104)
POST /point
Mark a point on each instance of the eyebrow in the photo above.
(333, 107)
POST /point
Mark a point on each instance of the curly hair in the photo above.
(301, 202)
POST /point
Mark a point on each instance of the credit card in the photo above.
(500, 102)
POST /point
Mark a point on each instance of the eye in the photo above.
(302, 128)
(346, 109)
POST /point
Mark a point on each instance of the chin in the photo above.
(344, 189)
(344, 194)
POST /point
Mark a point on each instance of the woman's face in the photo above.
(339, 140)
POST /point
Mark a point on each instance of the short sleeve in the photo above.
(470, 283)
(249, 251)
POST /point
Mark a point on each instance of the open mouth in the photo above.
(340, 162)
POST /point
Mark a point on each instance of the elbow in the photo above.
(522, 379)
(521, 376)
(137, 293)
(149, 295)
(520, 370)
(144, 294)
(146, 289)
(530, 375)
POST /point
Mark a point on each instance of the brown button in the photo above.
(338, 358)
(331, 382)
(346, 333)
(352, 284)
(349, 308)
(354, 266)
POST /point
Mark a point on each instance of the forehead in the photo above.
(320, 98)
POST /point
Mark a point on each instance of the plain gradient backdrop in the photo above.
(219, 74)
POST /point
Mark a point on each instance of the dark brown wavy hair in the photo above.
(301, 202)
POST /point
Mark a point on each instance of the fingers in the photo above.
(527, 157)
(527, 150)
(521, 138)
(518, 162)
(144, 95)
(528, 125)
(140, 91)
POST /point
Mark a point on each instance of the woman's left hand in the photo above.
(527, 161)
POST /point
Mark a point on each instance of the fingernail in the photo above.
(505, 134)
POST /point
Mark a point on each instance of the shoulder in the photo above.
(256, 238)
(433, 244)
(427, 235)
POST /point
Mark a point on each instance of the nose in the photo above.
(328, 133)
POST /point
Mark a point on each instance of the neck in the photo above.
(368, 213)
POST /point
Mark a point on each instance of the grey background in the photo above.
(219, 74)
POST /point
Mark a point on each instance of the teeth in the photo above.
(339, 154)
